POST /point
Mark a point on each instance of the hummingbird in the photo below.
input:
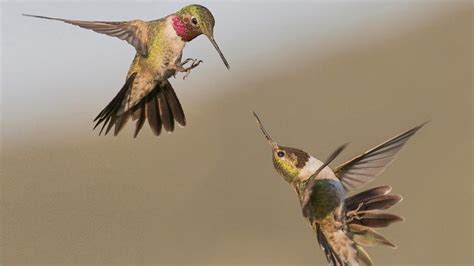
(147, 93)
(343, 225)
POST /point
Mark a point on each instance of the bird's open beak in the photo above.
(267, 136)
(213, 41)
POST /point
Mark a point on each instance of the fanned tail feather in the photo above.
(365, 207)
(160, 107)
(364, 211)
(375, 219)
(108, 115)
(353, 201)
(174, 104)
(367, 236)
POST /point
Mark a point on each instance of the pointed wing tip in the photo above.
(390, 147)
(424, 123)
(415, 129)
(37, 16)
(392, 245)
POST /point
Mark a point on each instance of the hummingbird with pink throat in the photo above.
(147, 93)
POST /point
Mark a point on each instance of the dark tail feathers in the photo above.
(160, 107)
(365, 208)
(364, 211)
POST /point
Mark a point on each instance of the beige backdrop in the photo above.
(208, 193)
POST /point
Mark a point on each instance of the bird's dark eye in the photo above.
(281, 154)
(194, 20)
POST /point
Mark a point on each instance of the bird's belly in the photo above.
(163, 56)
(329, 195)
(169, 68)
(164, 65)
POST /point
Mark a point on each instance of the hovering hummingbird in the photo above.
(147, 93)
(342, 224)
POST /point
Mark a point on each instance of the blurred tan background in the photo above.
(318, 73)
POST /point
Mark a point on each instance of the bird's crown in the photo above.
(286, 160)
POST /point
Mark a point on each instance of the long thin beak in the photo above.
(267, 136)
(213, 41)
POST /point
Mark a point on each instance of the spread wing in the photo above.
(365, 167)
(135, 32)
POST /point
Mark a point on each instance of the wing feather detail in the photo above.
(366, 167)
(135, 32)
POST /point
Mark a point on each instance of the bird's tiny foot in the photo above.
(358, 207)
(187, 60)
(195, 63)
(353, 214)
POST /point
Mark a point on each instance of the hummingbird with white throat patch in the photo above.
(147, 93)
(343, 225)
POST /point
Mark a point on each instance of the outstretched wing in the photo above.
(135, 32)
(365, 167)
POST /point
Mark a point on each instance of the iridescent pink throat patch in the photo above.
(181, 28)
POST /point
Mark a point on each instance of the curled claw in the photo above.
(353, 214)
(194, 64)
(187, 60)
(180, 66)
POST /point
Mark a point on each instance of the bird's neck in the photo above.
(311, 166)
